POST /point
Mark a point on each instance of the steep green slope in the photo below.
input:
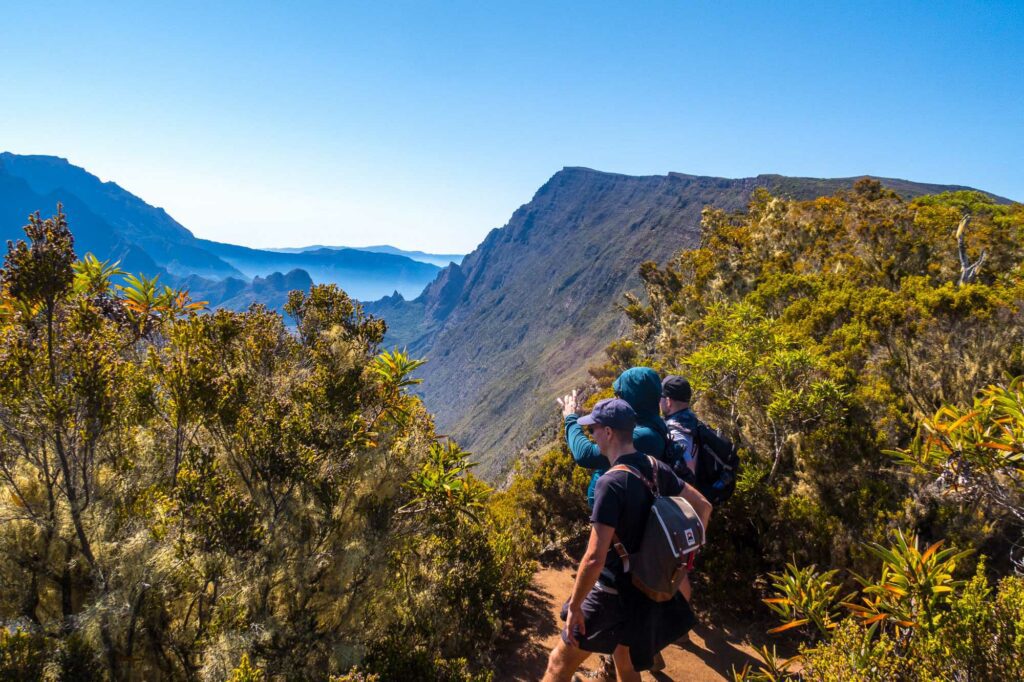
(525, 314)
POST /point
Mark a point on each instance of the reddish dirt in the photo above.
(707, 655)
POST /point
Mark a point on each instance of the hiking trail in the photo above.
(707, 655)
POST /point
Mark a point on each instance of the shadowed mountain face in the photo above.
(129, 218)
(114, 224)
(525, 314)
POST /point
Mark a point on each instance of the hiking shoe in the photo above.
(606, 673)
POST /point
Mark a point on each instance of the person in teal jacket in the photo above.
(641, 388)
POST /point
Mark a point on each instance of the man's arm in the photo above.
(586, 577)
(584, 451)
(699, 503)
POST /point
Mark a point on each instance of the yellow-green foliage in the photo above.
(857, 654)
(22, 655)
(816, 334)
(912, 622)
(915, 620)
(189, 495)
(245, 672)
(544, 494)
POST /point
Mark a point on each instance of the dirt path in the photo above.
(707, 656)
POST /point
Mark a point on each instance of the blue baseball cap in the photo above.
(613, 412)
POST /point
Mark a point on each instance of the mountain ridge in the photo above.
(115, 224)
(438, 259)
(525, 313)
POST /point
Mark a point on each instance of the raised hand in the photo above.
(568, 403)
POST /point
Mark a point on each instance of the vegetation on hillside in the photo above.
(845, 344)
(205, 496)
(187, 494)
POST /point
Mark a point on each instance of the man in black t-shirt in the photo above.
(606, 614)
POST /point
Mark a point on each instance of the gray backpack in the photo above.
(671, 539)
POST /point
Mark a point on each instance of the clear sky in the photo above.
(424, 125)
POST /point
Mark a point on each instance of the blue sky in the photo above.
(425, 125)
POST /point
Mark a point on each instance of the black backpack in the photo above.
(718, 463)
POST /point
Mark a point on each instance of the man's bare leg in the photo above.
(623, 666)
(564, 661)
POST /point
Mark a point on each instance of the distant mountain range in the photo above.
(523, 316)
(114, 224)
(439, 259)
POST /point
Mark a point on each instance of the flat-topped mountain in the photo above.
(524, 315)
(113, 223)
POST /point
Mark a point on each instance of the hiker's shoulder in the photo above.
(668, 481)
(684, 418)
(619, 474)
(646, 438)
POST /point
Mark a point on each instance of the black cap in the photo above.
(676, 388)
(613, 412)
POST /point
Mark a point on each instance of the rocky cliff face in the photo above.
(534, 305)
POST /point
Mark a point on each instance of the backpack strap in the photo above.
(617, 545)
(620, 549)
(652, 484)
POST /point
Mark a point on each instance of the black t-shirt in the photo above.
(623, 501)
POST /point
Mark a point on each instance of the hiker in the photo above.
(698, 454)
(641, 388)
(681, 423)
(606, 613)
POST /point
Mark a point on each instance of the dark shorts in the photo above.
(604, 618)
(644, 626)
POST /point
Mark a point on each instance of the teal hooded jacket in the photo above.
(641, 388)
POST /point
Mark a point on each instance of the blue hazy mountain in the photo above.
(363, 274)
(127, 217)
(438, 259)
(113, 223)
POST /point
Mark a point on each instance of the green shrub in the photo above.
(548, 495)
(914, 622)
(180, 489)
(396, 659)
(857, 654)
(23, 655)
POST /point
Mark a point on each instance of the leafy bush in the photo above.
(816, 335)
(22, 655)
(545, 495)
(914, 621)
(210, 496)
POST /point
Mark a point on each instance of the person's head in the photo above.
(675, 394)
(611, 424)
(641, 388)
